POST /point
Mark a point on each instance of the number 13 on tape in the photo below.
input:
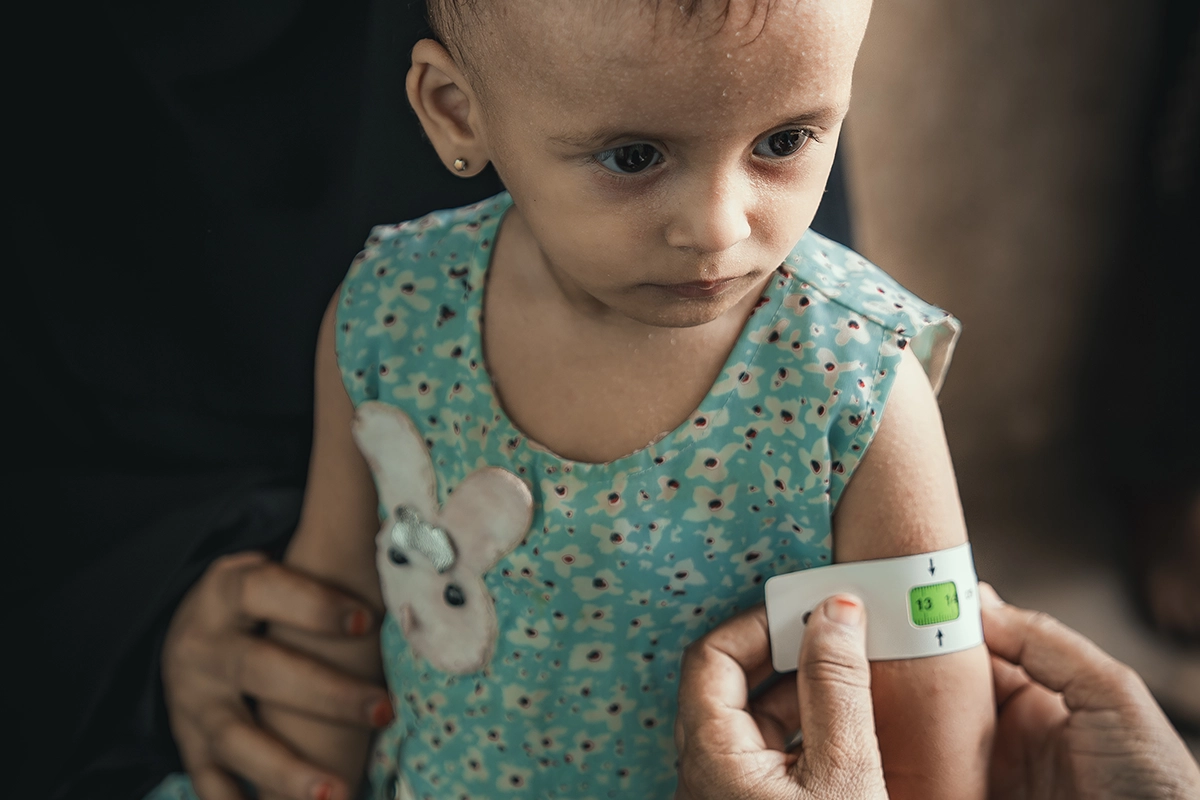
(917, 606)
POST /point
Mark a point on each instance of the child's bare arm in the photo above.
(334, 542)
(934, 716)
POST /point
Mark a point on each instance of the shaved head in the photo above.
(463, 25)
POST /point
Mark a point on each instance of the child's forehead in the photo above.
(590, 54)
(655, 30)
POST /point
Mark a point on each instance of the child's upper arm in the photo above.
(335, 540)
(335, 543)
(934, 716)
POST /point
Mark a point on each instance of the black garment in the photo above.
(191, 182)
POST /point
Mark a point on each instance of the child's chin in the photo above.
(683, 312)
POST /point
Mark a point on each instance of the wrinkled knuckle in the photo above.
(836, 669)
(841, 759)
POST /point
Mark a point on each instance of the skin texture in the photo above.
(595, 253)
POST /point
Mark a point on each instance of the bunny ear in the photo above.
(399, 460)
(488, 514)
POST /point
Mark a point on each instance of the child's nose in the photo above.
(712, 218)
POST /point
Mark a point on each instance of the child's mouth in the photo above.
(697, 289)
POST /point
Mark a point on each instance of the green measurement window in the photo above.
(934, 604)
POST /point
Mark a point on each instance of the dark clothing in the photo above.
(191, 183)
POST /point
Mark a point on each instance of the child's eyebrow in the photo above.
(598, 138)
(821, 118)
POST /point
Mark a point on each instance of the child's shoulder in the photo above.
(841, 276)
(464, 226)
(834, 281)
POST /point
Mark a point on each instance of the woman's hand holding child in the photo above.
(214, 659)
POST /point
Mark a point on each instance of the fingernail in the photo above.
(844, 610)
(380, 712)
(988, 597)
(322, 791)
(357, 622)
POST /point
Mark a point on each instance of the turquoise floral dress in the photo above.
(533, 650)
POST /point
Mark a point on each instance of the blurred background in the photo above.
(1009, 161)
(192, 178)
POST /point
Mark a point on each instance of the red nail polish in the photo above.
(356, 625)
(322, 791)
(382, 713)
(844, 610)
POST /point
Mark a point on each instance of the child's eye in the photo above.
(629, 159)
(783, 143)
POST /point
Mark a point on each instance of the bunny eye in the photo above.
(397, 557)
(454, 595)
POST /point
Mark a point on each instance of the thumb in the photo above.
(834, 683)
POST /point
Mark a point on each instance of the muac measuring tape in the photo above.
(917, 606)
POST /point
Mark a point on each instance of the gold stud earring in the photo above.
(460, 164)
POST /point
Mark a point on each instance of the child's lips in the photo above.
(693, 289)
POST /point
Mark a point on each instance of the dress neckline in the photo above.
(694, 428)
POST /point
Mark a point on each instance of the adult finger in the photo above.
(715, 678)
(1007, 679)
(273, 593)
(777, 712)
(834, 683)
(1052, 654)
(246, 750)
(274, 674)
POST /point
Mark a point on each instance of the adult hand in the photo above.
(214, 659)
(733, 747)
(1073, 721)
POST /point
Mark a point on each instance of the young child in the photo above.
(596, 412)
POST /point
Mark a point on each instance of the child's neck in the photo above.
(581, 379)
(520, 258)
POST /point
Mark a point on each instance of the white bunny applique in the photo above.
(431, 558)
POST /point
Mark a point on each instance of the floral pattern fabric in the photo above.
(627, 562)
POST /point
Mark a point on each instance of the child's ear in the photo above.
(447, 107)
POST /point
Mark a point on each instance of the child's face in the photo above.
(667, 167)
